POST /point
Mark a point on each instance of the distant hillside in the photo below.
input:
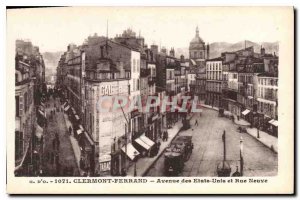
(217, 48)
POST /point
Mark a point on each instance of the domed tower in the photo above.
(197, 47)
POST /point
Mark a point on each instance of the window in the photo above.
(133, 65)
(138, 84)
(25, 102)
(17, 106)
(137, 65)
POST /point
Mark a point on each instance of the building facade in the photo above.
(214, 82)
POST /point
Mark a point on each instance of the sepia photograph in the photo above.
(150, 92)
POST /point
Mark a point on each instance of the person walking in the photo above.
(196, 122)
(167, 136)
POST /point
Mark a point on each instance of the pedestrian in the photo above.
(70, 130)
(167, 136)
(196, 122)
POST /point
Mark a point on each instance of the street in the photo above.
(208, 150)
(59, 158)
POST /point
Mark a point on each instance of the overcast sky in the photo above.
(52, 29)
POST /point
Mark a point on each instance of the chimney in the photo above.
(182, 58)
(262, 51)
(172, 52)
(154, 49)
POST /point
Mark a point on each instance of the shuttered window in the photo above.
(20, 105)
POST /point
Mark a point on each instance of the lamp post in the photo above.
(241, 156)
(135, 160)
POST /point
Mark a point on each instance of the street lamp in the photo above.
(135, 160)
(241, 156)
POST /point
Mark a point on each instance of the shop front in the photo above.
(87, 148)
(273, 128)
(131, 154)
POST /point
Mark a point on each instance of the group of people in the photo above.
(165, 136)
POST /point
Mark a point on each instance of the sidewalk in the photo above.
(145, 163)
(208, 106)
(74, 142)
(264, 138)
(241, 121)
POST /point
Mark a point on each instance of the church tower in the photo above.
(197, 49)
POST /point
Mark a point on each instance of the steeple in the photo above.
(197, 32)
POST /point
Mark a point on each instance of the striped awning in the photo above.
(274, 122)
(245, 112)
(67, 108)
(130, 151)
(79, 131)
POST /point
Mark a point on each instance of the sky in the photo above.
(52, 29)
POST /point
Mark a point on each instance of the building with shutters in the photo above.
(29, 113)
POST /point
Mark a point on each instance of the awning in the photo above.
(42, 113)
(250, 97)
(39, 131)
(42, 108)
(66, 104)
(81, 127)
(274, 122)
(148, 141)
(74, 111)
(130, 151)
(42, 104)
(67, 108)
(77, 117)
(89, 138)
(245, 112)
(79, 131)
(23, 159)
(142, 143)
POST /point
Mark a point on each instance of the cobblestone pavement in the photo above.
(208, 150)
(59, 159)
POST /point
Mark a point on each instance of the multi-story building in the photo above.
(214, 82)
(248, 68)
(267, 102)
(29, 114)
(107, 79)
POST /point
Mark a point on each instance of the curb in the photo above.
(160, 154)
(275, 151)
(77, 163)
